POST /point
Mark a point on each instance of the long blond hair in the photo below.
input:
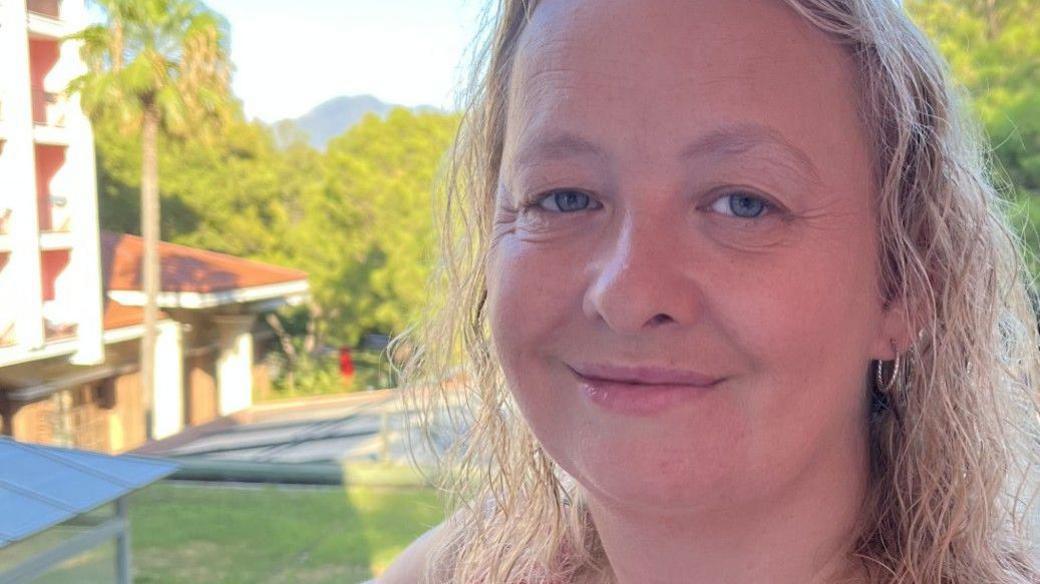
(953, 453)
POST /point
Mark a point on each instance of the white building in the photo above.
(50, 286)
(70, 300)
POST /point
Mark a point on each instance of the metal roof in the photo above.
(42, 486)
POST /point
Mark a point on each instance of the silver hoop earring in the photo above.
(887, 387)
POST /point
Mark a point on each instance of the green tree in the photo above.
(994, 52)
(155, 66)
(358, 219)
(367, 237)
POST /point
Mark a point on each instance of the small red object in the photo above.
(346, 363)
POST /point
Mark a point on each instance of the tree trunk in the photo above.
(310, 340)
(291, 357)
(150, 259)
(283, 337)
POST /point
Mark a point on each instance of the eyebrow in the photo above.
(743, 137)
(727, 140)
(559, 145)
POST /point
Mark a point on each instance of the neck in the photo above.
(802, 534)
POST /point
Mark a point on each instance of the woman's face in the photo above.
(685, 185)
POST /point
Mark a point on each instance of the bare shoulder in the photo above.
(408, 567)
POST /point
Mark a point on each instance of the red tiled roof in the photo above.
(118, 315)
(185, 269)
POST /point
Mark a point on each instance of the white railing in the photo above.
(58, 320)
(48, 109)
(61, 218)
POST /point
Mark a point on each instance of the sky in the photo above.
(291, 56)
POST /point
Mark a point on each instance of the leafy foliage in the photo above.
(155, 65)
(372, 229)
(224, 197)
(167, 54)
(358, 219)
(994, 51)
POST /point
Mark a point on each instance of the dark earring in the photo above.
(881, 394)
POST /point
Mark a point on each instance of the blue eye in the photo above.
(565, 200)
(741, 204)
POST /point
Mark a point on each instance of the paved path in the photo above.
(367, 427)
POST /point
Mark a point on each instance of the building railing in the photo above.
(48, 109)
(60, 218)
(51, 8)
(57, 331)
(55, 216)
(58, 323)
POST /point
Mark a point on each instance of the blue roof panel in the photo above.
(41, 486)
(21, 515)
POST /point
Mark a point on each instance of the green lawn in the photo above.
(193, 533)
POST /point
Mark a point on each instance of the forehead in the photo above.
(661, 73)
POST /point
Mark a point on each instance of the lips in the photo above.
(643, 375)
(642, 391)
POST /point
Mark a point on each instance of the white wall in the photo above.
(235, 363)
(168, 396)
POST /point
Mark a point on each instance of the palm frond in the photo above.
(172, 54)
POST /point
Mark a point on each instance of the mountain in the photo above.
(333, 117)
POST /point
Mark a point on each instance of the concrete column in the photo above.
(19, 179)
(168, 396)
(86, 256)
(77, 182)
(235, 362)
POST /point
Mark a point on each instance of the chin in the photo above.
(656, 478)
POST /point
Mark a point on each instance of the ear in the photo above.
(899, 327)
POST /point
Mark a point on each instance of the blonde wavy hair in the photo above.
(953, 452)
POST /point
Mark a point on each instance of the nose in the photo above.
(640, 283)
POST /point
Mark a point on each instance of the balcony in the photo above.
(59, 300)
(46, 26)
(56, 241)
(54, 210)
(48, 108)
(50, 8)
(57, 330)
(57, 218)
(50, 135)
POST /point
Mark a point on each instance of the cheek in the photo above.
(806, 330)
(534, 307)
(525, 301)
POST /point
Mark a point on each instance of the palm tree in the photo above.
(155, 66)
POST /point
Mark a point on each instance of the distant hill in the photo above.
(333, 117)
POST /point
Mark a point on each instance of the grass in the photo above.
(203, 533)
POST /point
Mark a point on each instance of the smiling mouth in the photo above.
(645, 376)
(621, 384)
(641, 399)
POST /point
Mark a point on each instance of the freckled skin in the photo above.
(784, 306)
